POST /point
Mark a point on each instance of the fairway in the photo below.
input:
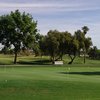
(49, 50)
(49, 83)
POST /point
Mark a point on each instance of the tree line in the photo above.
(57, 44)
(19, 30)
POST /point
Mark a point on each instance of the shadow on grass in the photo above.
(37, 62)
(81, 73)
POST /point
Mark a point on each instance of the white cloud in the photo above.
(48, 7)
(35, 5)
(45, 13)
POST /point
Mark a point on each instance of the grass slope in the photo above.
(49, 83)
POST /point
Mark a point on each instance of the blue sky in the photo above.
(63, 15)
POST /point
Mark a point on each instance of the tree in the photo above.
(85, 30)
(80, 37)
(88, 44)
(43, 45)
(52, 44)
(5, 50)
(56, 44)
(73, 49)
(17, 29)
(65, 39)
(84, 42)
(36, 46)
(94, 53)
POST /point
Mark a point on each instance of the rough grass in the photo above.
(31, 60)
(49, 83)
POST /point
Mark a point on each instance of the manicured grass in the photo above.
(35, 78)
(49, 82)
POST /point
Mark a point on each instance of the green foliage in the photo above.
(20, 31)
(17, 29)
(84, 42)
(85, 29)
(80, 37)
(36, 49)
(50, 44)
(56, 44)
(88, 43)
(94, 53)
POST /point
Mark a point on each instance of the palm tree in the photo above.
(85, 30)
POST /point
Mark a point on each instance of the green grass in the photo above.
(49, 83)
(31, 60)
(34, 78)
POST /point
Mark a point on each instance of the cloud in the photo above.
(49, 6)
(37, 5)
(63, 15)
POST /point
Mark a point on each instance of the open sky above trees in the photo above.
(62, 15)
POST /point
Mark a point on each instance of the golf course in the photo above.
(49, 82)
(49, 49)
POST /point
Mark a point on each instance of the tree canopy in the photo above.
(57, 44)
(20, 31)
(17, 29)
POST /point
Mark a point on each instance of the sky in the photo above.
(62, 15)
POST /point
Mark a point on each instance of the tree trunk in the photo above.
(62, 55)
(59, 58)
(72, 59)
(15, 58)
(84, 56)
(53, 60)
